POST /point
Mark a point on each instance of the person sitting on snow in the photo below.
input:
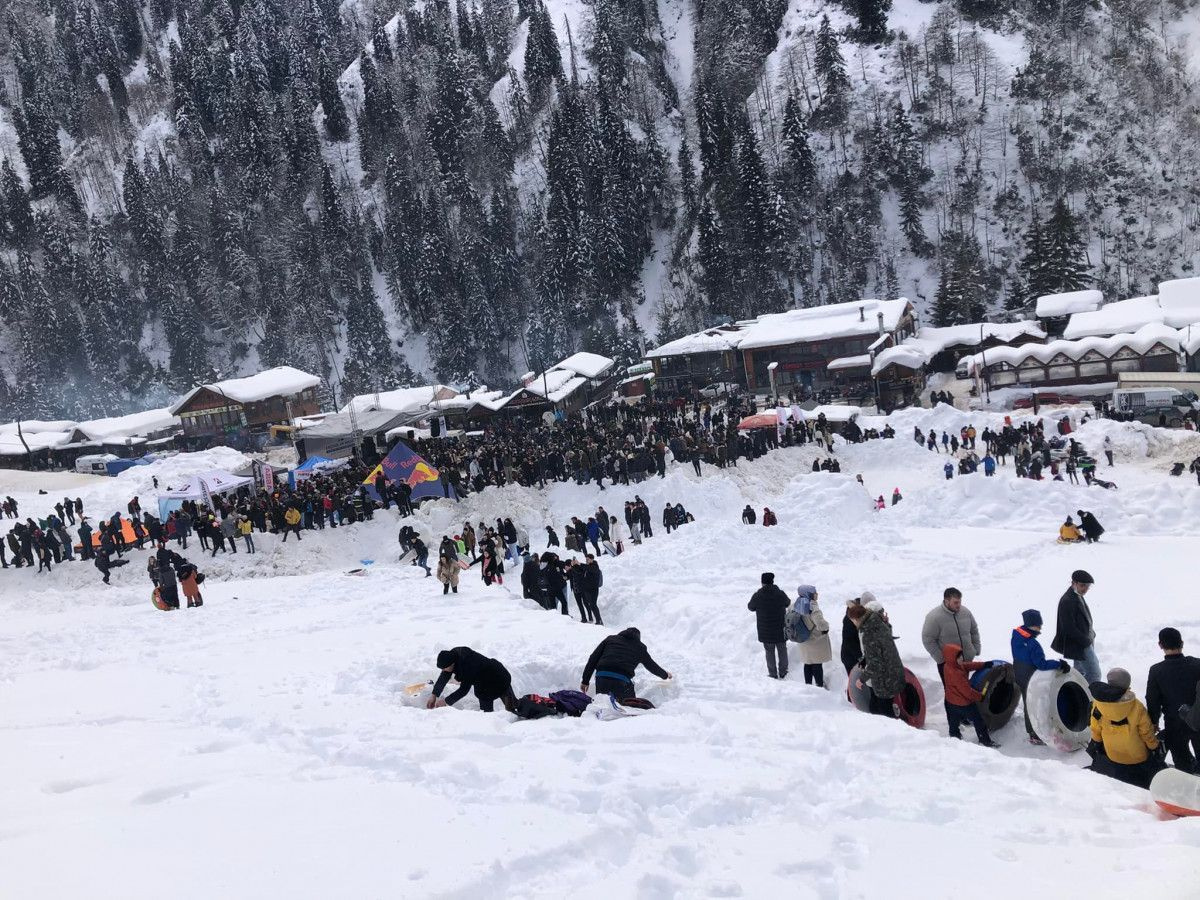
(1068, 533)
(1124, 745)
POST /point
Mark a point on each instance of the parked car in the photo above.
(717, 389)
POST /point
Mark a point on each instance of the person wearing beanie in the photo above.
(1028, 657)
(950, 623)
(1124, 745)
(769, 605)
(1173, 683)
(1068, 532)
(614, 663)
(1075, 637)
(487, 676)
(851, 651)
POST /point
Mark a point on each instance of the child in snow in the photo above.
(769, 517)
(1028, 658)
(1068, 533)
(1124, 744)
(961, 697)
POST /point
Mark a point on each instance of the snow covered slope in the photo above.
(263, 745)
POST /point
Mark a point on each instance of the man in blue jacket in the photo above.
(1029, 658)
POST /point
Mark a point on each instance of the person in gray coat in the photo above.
(950, 623)
(769, 605)
(229, 530)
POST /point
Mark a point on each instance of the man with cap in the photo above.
(769, 605)
(487, 676)
(1124, 745)
(1172, 684)
(1028, 658)
(950, 623)
(1075, 637)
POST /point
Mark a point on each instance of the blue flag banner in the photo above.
(402, 464)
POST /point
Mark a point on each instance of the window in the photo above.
(1005, 377)
(1092, 369)
(1060, 372)
(1126, 365)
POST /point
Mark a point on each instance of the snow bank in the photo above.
(1051, 306)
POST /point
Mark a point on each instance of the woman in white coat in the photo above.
(817, 650)
(616, 534)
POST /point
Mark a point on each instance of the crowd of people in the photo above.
(1126, 740)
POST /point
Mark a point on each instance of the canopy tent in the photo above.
(315, 465)
(200, 487)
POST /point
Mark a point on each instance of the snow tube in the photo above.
(909, 704)
(1060, 707)
(1177, 792)
(1000, 694)
(157, 600)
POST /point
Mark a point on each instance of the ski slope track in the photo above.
(263, 746)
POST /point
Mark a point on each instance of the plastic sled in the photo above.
(358, 573)
(157, 600)
(415, 694)
(1060, 708)
(1176, 792)
(605, 707)
(464, 565)
(1000, 694)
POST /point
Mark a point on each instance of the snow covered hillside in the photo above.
(263, 744)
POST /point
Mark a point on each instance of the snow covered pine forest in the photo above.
(394, 192)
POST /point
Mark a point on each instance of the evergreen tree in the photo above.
(831, 71)
(963, 287)
(337, 124)
(872, 19)
(798, 174)
(687, 177)
(1066, 266)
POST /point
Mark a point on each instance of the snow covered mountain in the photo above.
(391, 192)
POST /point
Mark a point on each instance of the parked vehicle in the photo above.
(717, 389)
(1155, 405)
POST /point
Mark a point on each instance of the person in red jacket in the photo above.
(769, 517)
(961, 697)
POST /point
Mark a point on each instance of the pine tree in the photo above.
(714, 260)
(687, 177)
(18, 212)
(1034, 275)
(872, 19)
(337, 124)
(831, 71)
(798, 174)
(1066, 266)
(962, 289)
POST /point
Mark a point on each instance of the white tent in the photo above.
(214, 482)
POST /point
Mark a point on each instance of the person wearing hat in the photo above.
(487, 676)
(1172, 684)
(1124, 745)
(769, 605)
(1090, 526)
(1028, 657)
(1075, 637)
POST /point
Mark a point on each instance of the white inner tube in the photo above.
(1060, 708)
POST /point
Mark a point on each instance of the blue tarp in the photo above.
(116, 466)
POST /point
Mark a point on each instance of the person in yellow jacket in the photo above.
(291, 519)
(1068, 532)
(246, 529)
(1124, 744)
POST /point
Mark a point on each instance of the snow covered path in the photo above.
(261, 745)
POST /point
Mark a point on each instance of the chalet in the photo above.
(241, 411)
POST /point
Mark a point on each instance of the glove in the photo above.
(1160, 752)
(989, 664)
(1094, 749)
(1064, 666)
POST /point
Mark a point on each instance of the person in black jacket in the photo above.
(769, 605)
(1075, 637)
(614, 662)
(851, 645)
(556, 582)
(1090, 527)
(1173, 683)
(749, 516)
(593, 579)
(531, 580)
(472, 670)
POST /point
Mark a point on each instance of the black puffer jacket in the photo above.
(621, 653)
(769, 604)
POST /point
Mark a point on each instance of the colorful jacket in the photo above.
(958, 688)
(1028, 656)
(1121, 723)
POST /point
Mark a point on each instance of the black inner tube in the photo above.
(910, 700)
(1002, 697)
(1074, 706)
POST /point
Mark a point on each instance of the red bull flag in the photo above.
(404, 465)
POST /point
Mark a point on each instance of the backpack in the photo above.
(795, 628)
(573, 703)
(534, 706)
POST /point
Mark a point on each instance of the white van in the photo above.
(960, 371)
(96, 464)
(1155, 405)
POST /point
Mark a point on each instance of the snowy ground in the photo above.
(261, 745)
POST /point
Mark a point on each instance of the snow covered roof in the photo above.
(905, 355)
(850, 362)
(492, 400)
(1178, 307)
(556, 385)
(820, 323)
(402, 399)
(711, 340)
(11, 445)
(370, 421)
(117, 428)
(281, 381)
(36, 426)
(1140, 341)
(833, 413)
(589, 365)
(1050, 306)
